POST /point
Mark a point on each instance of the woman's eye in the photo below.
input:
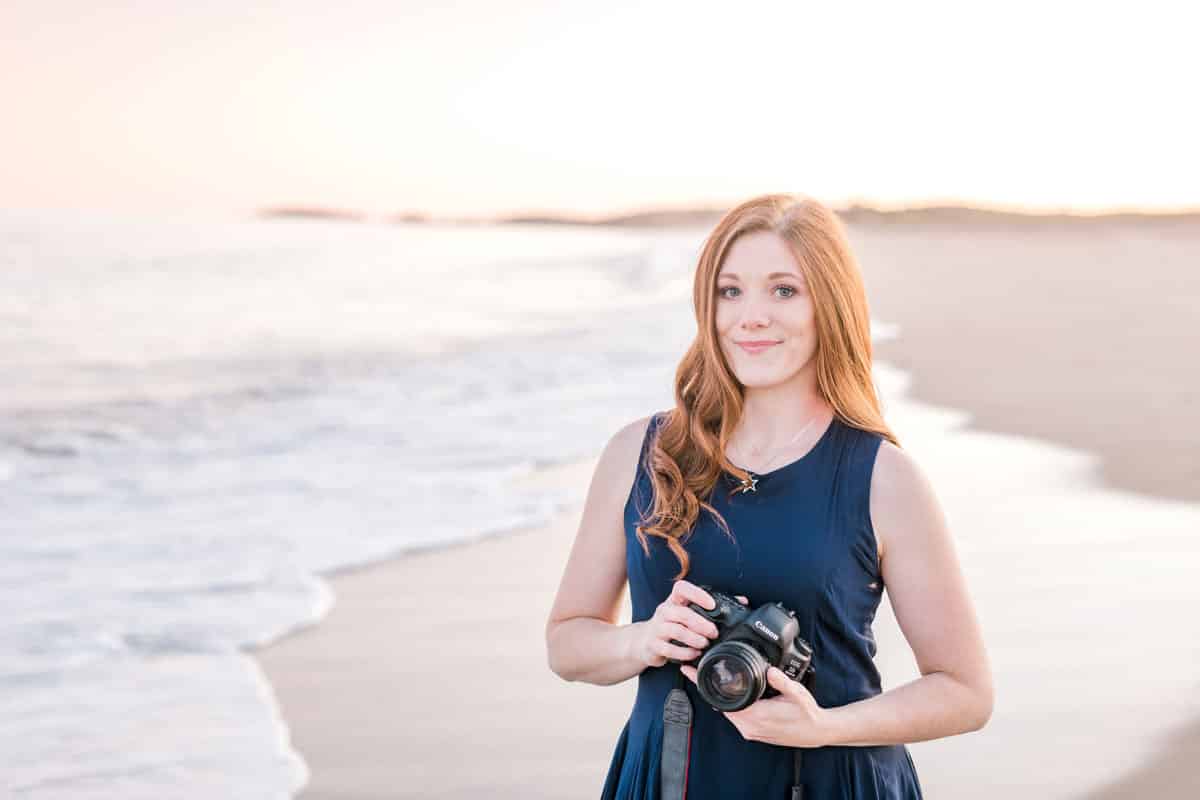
(722, 291)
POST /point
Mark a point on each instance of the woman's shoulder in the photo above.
(631, 436)
(901, 493)
(894, 469)
(617, 467)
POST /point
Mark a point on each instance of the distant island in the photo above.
(706, 216)
(311, 212)
(656, 218)
(411, 216)
(862, 214)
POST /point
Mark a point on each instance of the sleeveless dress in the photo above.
(803, 538)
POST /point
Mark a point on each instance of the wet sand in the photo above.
(1082, 334)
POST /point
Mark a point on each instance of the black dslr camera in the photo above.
(731, 673)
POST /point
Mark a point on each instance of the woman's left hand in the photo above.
(790, 719)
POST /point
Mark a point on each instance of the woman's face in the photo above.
(763, 297)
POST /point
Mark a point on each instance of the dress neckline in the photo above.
(816, 446)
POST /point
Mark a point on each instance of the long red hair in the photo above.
(687, 456)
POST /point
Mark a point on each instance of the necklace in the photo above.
(750, 484)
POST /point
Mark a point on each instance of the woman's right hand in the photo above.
(674, 620)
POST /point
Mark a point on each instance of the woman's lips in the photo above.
(754, 347)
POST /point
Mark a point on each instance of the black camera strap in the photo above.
(677, 746)
(677, 741)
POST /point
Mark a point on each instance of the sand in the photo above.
(428, 679)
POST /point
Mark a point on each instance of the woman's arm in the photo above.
(929, 597)
(583, 640)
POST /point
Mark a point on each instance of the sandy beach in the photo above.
(428, 679)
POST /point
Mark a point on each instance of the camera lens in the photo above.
(731, 676)
(729, 679)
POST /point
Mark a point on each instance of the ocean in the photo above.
(199, 420)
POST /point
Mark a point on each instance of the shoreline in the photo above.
(491, 610)
(307, 662)
(1050, 345)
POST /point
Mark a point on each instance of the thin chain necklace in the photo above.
(750, 484)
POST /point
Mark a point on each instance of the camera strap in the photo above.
(677, 741)
(797, 787)
(677, 746)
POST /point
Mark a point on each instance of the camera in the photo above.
(731, 673)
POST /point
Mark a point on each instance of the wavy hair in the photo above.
(687, 455)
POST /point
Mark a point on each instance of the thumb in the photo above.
(780, 682)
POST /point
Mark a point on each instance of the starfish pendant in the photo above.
(749, 484)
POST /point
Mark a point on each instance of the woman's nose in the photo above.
(755, 316)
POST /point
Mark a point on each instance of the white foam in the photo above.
(172, 492)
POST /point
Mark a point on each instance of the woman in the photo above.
(776, 479)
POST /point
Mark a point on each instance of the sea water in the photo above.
(199, 420)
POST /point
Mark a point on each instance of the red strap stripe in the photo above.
(687, 764)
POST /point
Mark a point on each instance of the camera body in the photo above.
(731, 673)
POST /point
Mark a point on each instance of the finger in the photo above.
(690, 619)
(675, 652)
(745, 600)
(683, 593)
(685, 636)
(689, 672)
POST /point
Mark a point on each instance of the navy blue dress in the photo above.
(804, 538)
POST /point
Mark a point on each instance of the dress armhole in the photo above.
(634, 498)
(870, 458)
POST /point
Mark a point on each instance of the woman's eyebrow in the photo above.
(770, 277)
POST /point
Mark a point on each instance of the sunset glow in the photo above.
(485, 108)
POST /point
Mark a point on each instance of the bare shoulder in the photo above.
(614, 474)
(901, 494)
(617, 467)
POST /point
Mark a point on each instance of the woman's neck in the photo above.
(768, 421)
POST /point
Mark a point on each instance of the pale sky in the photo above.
(522, 105)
